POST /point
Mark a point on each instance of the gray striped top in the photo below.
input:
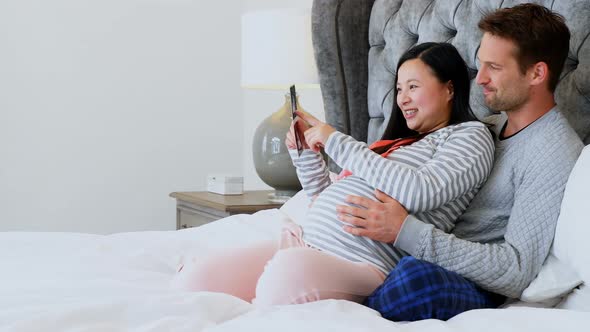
(434, 178)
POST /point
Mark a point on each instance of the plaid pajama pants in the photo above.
(417, 290)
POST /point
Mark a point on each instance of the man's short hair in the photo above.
(539, 34)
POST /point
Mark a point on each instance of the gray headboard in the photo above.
(358, 42)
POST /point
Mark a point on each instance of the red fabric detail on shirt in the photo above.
(395, 144)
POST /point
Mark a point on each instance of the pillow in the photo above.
(571, 243)
(296, 207)
(567, 264)
(578, 300)
(555, 280)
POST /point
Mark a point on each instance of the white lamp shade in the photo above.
(277, 50)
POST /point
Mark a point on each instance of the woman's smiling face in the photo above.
(424, 101)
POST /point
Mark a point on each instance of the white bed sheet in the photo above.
(121, 282)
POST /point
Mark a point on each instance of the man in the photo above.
(502, 239)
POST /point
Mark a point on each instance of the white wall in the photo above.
(108, 106)
(275, 4)
(259, 104)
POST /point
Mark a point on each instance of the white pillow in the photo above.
(296, 207)
(567, 264)
(571, 244)
(579, 299)
(555, 280)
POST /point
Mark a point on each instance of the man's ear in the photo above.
(539, 73)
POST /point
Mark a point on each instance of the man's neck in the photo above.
(528, 113)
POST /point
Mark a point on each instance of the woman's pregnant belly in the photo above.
(325, 231)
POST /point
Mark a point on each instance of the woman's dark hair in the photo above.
(447, 65)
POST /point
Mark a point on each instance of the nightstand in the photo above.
(197, 208)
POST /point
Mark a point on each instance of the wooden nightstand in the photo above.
(196, 208)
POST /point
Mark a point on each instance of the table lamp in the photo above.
(276, 53)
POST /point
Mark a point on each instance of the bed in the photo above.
(122, 282)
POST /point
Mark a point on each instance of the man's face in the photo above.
(505, 88)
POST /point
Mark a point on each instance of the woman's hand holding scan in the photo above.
(290, 140)
(318, 134)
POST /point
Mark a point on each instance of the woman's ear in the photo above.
(450, 90)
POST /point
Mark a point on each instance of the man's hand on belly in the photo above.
(378, 220)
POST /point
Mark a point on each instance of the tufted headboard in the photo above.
(357, 44)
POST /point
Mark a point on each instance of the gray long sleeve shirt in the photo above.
(502, 239)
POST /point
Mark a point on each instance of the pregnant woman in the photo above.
(433, 158)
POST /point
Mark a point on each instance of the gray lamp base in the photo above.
(271, 157)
